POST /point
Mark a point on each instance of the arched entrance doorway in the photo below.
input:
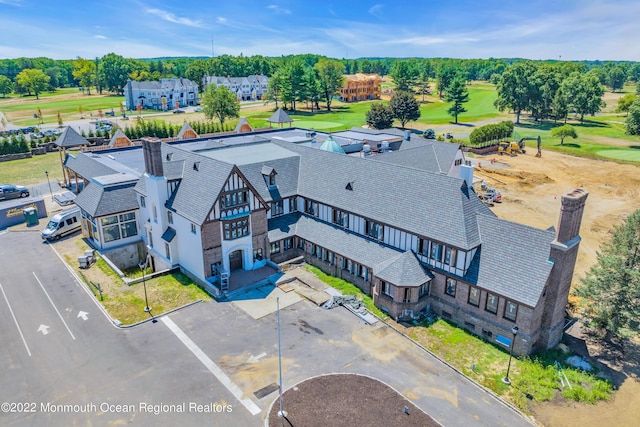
(235, 260)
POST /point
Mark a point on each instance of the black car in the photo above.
(178, 111)
(13, 191)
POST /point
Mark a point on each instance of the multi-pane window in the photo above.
(474, 296)
(492, 303)
(341, 218)
(236, 198)
(311, 207)
(423, 248)
(374, 230)
(436, 251)
(167, 251)
(407, 295)
(450, 287)
(193, 228)
(142, 202)
(277, 208)
(257, 254)
(236, 229)
(275, 247)
(422, 290)
(119, 226)
(385, 288)
(450, 256)
(510, 310)
(293, 204)
(170, 217)
(287, 243)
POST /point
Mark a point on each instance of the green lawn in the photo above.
(480, 107)
(31, 171)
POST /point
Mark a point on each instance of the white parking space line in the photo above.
(54, 306)
(15, 320)
(211, 366)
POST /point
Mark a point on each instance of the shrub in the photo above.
(491, 132)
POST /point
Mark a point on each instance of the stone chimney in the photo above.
(564, 252)
(152, 150)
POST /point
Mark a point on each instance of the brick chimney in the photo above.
(564, 252)
(152, 150)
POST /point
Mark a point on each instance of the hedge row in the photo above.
(491, 132)
(13, 145)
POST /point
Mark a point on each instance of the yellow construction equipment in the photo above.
(511, 148)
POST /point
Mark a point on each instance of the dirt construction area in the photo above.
(531, 190)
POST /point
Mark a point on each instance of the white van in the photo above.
(65, 222)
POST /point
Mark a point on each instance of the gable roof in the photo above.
(70, 138)
(280, 116)
(435, 206)
(501, 265)
(402, 270)
(85, 165)
(100, 200)
(119, 135)
(186, 127)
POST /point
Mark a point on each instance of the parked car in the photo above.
(13, 191)
(65, 222)
(178, 111)
(197, 109)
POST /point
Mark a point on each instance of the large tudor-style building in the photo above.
(395, 219)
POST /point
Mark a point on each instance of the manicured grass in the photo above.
(20, 111)
(632, 155)
(533, 379)
(127, 303)
(319, 125)
(480, 107)
(347, 289)
(31, 171)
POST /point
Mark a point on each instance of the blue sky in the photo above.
(535, 29)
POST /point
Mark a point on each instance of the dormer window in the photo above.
(269, 175)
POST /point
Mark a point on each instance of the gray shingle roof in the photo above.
(199, 188)
(85, 165)
(513, 260)
(357, 248)
(100, 201)
(402, 270)
(70, 138)
(279, 117)
(435, 206)
(283, 226)
(430, 156)
(286, 179)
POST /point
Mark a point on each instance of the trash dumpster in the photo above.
(30, 216)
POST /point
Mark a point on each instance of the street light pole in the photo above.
(514, 331)
(143, 267)
(49, 182)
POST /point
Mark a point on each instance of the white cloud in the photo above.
(170, 17)
(376, 10)
(278, 10)
(11, 2)
(100, 36)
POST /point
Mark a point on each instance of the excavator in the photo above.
(514, 148)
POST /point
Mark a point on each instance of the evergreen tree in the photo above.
(458, 94)
(379, 116)
(610, 291)
(423, 83)
(404, 75)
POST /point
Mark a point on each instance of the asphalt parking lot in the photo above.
(208, 364)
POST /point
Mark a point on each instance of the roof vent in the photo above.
(196, 166)
(169, 155)
(349, 186)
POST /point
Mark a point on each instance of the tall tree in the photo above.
(423, 83)
(584, 92)
(313, 88)
(84, 71)
(33, 80)
(458, 94)
(633, 118)
(294, 81)
(616, 77)
(513, 88)
(404, 107)
(560, 105)
(220, 102)
(275, 88)
(114, 70)
(6, 86)
(404, 75)
(379, 116)
(611, 288)
(445, 75)
(331, 78)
